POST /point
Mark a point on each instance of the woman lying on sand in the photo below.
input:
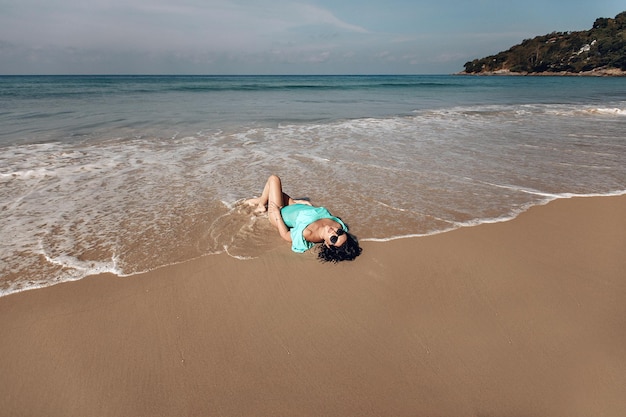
(304, 225)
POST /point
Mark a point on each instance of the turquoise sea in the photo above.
(129, 173)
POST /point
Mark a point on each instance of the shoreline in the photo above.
(523, 317)
(112, 270)
(600, 72)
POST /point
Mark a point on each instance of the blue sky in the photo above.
(274, 36)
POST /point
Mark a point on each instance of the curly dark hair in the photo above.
(346, 252)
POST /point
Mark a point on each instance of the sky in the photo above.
(275, 36)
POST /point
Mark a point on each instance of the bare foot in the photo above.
(251, 202)
(255, 202)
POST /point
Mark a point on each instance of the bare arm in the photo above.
(277, 220)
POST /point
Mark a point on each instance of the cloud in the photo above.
(88, 35)
(251, 36)
(214, 25)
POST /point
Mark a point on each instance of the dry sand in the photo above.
(522, 318)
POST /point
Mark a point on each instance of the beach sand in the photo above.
(521, 318)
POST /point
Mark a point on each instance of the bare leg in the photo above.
(273, 195)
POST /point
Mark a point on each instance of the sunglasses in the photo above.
(333, 239)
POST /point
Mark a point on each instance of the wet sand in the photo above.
(522, 318)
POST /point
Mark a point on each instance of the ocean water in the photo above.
(129, 173)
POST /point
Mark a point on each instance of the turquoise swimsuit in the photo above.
(298, 216)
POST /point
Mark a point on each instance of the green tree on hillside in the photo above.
(603, 46)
